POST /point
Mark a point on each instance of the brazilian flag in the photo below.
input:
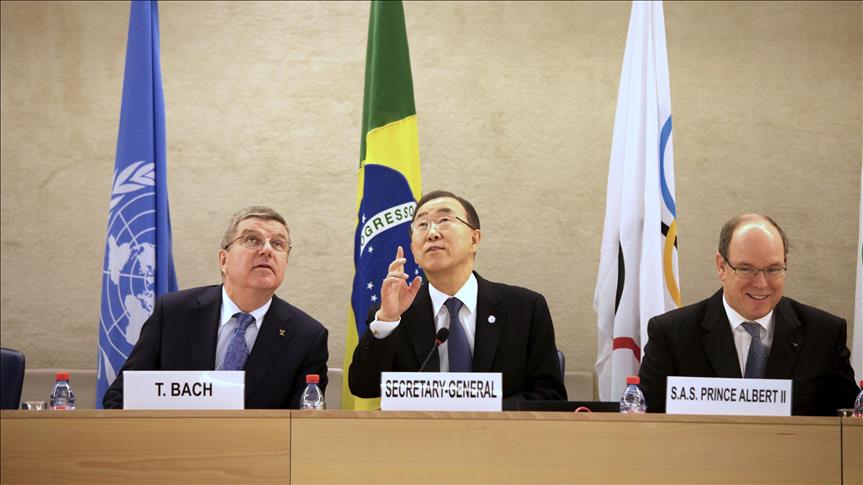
(389, 172)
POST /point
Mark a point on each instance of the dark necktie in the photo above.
(756, 360)
(458, 348)
(238, 351)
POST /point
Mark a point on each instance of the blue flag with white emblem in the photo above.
(138, 265)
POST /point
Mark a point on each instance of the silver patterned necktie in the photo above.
(238, 351)
(460, 359)
(756, 360)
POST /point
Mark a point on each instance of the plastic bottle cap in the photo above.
(633, 380)
(312, 378)
(62, 376)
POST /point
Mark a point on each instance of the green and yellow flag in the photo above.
(389, 173)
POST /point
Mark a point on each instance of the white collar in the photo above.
(737, 319)
(229, 309)
(467, 294)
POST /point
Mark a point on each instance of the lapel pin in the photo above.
(491, 319)
(281, 332)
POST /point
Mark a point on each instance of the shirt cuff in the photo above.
(381, 329)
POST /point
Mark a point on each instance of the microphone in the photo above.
(439, 338)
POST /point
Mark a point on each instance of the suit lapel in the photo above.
(203, 324)
(422, 332)
(274, 335)
(787, 342)
(490, 318)
(717, 341)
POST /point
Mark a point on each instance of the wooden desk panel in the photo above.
(88, 447)
(852, 450)
(386, 447)
(376, 447)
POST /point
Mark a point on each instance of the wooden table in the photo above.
(107, 447)
(852, 450)
(415, 447)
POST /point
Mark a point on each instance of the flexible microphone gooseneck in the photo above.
(439, 338)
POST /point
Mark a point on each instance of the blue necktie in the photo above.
(238, 351)
(756, 360)
(458, 348)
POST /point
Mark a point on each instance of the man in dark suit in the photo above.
(716, 337)
(492, 327)
(239, 325)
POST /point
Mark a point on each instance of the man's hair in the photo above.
(258, 211)
(472, 216)
(728, 229)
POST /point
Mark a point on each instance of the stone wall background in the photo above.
(515, 106)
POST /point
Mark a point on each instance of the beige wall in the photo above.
(516, 106)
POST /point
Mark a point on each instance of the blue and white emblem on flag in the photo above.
(385, 214)
(138, 265)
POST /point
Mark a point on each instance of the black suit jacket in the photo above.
(519, 344)
(809, 347)
(181, 334)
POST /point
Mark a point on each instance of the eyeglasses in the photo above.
(749, 273)
(254, 241)
(443, 223)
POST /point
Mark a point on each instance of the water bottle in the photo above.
(312, 397)
(62, 396)
(858, 404)
(632, 400)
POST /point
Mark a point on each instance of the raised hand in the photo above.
(396, 294)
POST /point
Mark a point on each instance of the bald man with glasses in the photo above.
(749, 329)
(493, 327)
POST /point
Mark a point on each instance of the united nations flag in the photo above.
(138, 265)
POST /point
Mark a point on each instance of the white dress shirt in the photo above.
(742, 339)
(227, 324)
(466, 316)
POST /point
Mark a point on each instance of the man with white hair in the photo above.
(240, 324)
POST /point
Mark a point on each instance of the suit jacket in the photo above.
(808, 347)
(181, 334)
(519, 343)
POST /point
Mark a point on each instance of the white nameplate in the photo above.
(736, 397)
(195, 389)
(441, 391)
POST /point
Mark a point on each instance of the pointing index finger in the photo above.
(398, 264)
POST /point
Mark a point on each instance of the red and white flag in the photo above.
(637, 277)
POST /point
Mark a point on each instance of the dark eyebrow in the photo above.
(442, 209)
(254, 232)
(752, 266)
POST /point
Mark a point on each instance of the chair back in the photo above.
(561, 360)
(11, 378)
